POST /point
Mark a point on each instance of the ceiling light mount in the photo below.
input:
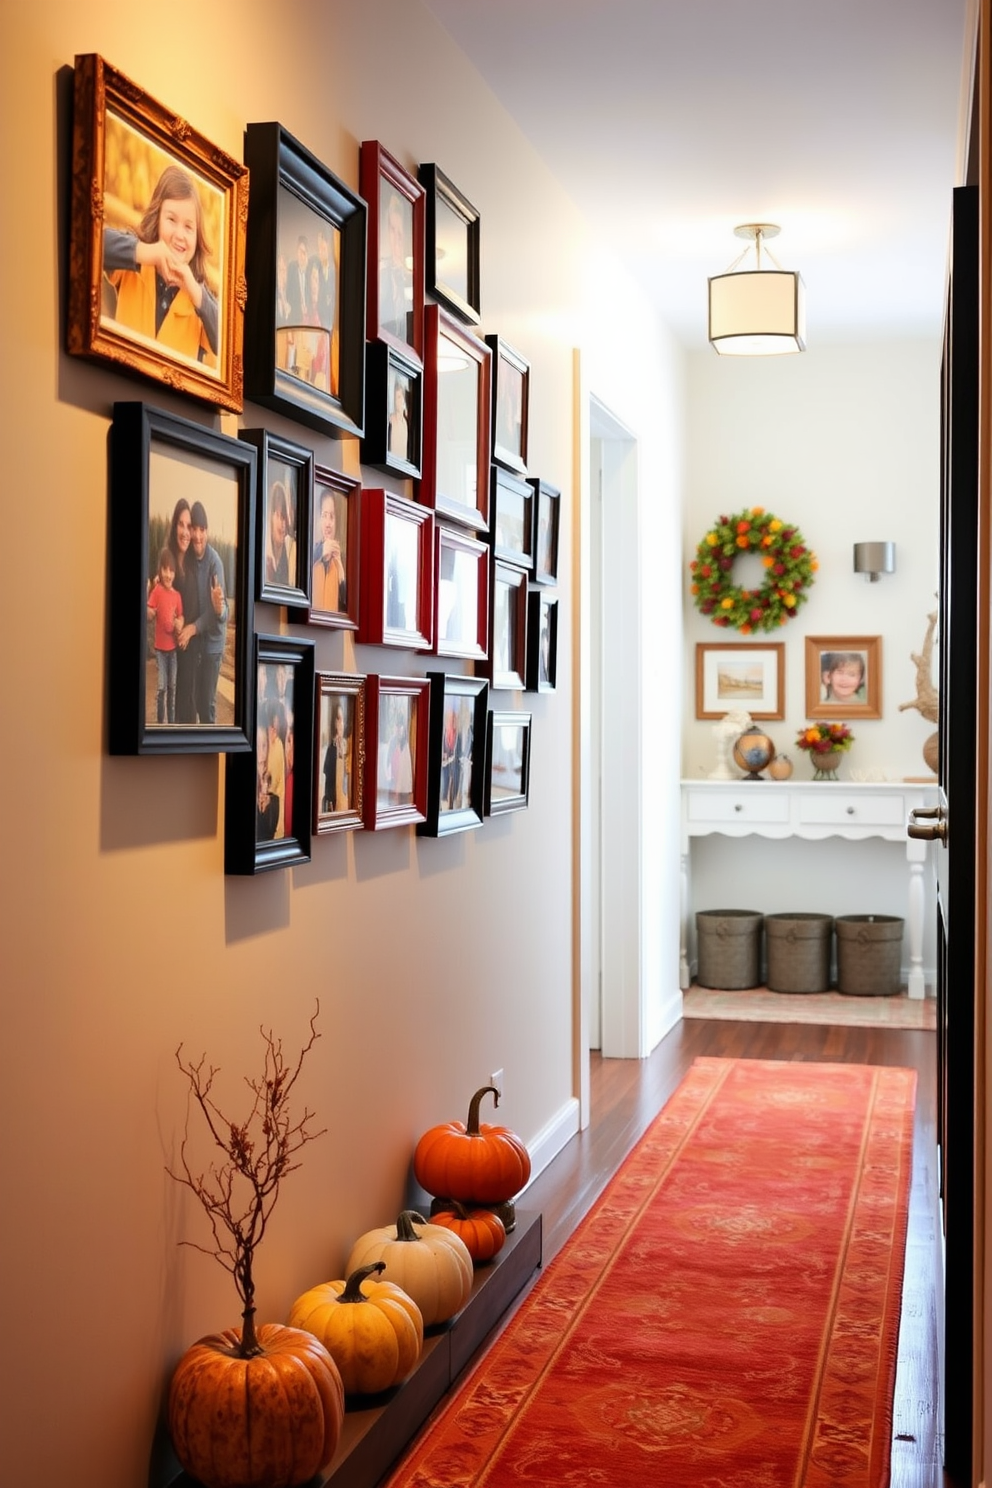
(759, 311)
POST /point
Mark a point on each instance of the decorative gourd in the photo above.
(372, 1329)
(272, 1418)
(429, 1262)
(478, 1164)
(483, 1231)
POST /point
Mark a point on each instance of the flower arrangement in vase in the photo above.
(825, 743)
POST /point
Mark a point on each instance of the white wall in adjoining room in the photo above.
(843, 441)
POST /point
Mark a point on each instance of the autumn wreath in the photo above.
(789, 563)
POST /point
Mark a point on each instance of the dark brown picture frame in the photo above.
(259, 834)
(547, 527)
(461, 594)
(511, 527)
(391, 192)
(339, 755)
(397, 599)
(396, 787)
(456, 418)
(162, 467)
(452, 249)
(507, 764)
(295, 362)
(285, 499)
(511, 405)
(456, 773)
(542, 660)
(506, 666)
(345, 491)
(393, 432)
(111, 110)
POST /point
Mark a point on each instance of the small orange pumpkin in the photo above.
(482, 1231)
(271, 1420)
(372, 1330)
(478, 1164)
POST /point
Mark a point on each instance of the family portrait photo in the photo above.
(275, 803)
(192, 567)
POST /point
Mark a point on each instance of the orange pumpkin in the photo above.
(372, 1330)
(478, 1164)
(271, 1420)
(482, 1231)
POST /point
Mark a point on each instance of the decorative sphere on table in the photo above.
(752, 752)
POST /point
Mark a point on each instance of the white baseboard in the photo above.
(552, 1137)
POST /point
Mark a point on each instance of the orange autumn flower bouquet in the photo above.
(825, 738)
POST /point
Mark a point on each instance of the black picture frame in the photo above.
(393, 431)
(542, 641)
(339, 752)
(547, 525)
(111, 305)
(456, 767)
(395, 273)
(265, 827)
(455, 468)
(285, 502)
(506, 666)
(461, 594)
(335, 578)
(511, 405)
(511, 518)
(396, 789)
(308, 363)
(161, 468)
(508, 741)
(397, 606)
(451, 258)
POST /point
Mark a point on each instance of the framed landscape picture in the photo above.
(158, 223)
(305, 320)
(748, 678)
(182, 501)
(268, 796)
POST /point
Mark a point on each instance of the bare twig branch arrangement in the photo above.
(925, 701)
(239, 1191)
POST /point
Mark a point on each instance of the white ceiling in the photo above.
(671, 121)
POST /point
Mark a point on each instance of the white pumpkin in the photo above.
(431, 1264)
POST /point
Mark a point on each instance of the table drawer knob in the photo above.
(850, 810)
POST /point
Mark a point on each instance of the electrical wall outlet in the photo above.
(496, 1080)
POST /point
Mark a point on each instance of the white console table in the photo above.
(812, 810)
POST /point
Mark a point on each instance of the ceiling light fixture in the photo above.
(759, 311)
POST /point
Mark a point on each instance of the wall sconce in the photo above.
(875, 558)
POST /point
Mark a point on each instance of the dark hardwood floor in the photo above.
(627, 1093)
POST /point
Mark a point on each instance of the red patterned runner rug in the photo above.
(726, 1316)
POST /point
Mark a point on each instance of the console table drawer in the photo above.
(762, 807)
(838, 810)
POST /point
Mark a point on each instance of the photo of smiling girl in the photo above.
(159, 272)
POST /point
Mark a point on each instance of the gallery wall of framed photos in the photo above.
(274, 286)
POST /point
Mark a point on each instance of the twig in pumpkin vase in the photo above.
(238, 1193)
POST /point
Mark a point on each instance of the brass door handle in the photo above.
(927, 824)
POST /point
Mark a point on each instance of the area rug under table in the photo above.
(726, 1314)
(758, 1005)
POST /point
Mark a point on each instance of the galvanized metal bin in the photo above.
(729, 945)
(797, 950)
(869, 953)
